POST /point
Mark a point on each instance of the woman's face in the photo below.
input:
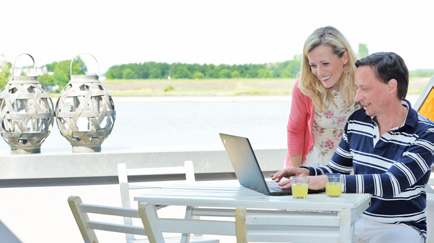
(327, 66)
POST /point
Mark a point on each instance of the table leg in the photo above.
(185, 238)
(149, 218)
(346, 228)
(240, 225)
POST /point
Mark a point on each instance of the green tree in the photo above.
(285, 74)
(225, 73)
(363, 50)
(215, 72)
(129, 74)
(50, 67)
(426, 73)
(62, 71)
(61, 77)
(46, 80)
(198, 75)
(182, 72)
(155, 73)
(4, 71)
(294, 68)
(287, 69)
(114, 72)
(235, 74)
(264, 73)
(252, 72)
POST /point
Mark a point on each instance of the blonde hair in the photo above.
(309, 83)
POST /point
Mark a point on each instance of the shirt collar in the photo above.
(411, 119)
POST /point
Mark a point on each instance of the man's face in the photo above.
(372, 93)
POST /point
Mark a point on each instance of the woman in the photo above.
(322, 98)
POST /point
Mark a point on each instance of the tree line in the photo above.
(58, 73)
(154, 70)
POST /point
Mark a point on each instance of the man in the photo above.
(389, 146)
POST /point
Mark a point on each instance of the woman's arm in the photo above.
(294, 160)
(297, 125)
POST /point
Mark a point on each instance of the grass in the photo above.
(205, 87)
(214, 87)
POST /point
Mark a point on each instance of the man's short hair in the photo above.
(387, 66)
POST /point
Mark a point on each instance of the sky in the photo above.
(207, 31)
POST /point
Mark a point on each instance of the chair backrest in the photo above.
(88, 226)
(126, 187)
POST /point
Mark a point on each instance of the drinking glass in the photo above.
(299, 185)
(334, 185)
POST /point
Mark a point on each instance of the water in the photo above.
(195, 124)
(179, 123)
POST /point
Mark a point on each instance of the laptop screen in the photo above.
(244, 162)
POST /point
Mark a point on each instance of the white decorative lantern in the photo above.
(26, 112)
(85, 112)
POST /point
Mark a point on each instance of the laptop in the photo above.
(247, 169)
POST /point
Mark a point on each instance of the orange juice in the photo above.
(299, 190)
(333, 189)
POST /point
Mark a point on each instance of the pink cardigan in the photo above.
(300, 124)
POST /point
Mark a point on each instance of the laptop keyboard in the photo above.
(274, 186)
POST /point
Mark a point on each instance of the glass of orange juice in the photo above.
(299, 185)
(334, 185)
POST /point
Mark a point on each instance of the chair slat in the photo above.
(109, 210)
(120, 228)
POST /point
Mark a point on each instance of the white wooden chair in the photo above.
(127, 187)
(83, 214)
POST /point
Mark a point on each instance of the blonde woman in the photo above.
(322, 98)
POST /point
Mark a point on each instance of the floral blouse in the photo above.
(327, 130)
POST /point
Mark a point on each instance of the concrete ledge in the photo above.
(104, 164)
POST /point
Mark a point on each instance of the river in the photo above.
(178, 122)
(167, 123)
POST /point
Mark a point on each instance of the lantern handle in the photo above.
(70, 68)
(34, 64)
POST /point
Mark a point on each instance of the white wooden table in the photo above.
(268, 218)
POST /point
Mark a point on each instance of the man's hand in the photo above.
(288, 172)
(317, 182)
